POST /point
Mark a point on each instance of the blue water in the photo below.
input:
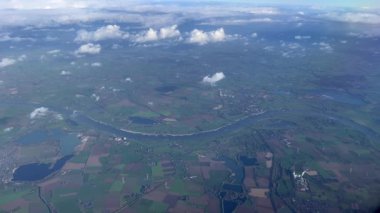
(142, 120)
(38, 171)
(233, 187)
(67, 141)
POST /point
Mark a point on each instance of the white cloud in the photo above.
(254, 35)
(324, 46)
(169, 32)
(154, 35)
(39, 113)
(233, 21)
(7, 62)
(64, 72)
(200, 37)
(213, 79)
(7, 37)
(42, 112)
(103, 33)
(264, 11)
(52, 52)
(299, 37)
(21, 57)
(89, 48)
(96, 64)
(359, 17)
(150, 35)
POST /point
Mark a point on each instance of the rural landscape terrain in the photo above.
(190, 107)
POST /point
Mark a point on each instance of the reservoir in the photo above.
(38, 171)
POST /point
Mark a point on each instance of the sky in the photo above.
(54, 4)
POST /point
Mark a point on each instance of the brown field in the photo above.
(195, 170)
(336, 168)
(19, 203)
(49, 182)
(94, 160)
(155, 196)
(37, 207)
(126, 103)
(263, 205)
(262, 182)
(73, 166)
(183, 208)
(112, 201)
(245, 209)
(259, 192)
(213, 204)
(205, 172)
(249, 181)
(134, 167)
(68, 194)
(171, 200)
(202, 200)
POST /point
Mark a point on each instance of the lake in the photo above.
(38, 171)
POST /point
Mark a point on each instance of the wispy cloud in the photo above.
(299, 37)
(326, 47)
(64, 72)
(264, 10)
(238, 21)
(53, 52)
(96, 64)
(354, 17)
(8, 37)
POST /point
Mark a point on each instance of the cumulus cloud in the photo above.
(103, 33)
(154, 35)
(89, 48)
(7, 62)
(200, 37)
(359, 17)
(43, 112)
(212, 80)
(39, 113)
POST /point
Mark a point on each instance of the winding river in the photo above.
(247, 121)
(84, 120)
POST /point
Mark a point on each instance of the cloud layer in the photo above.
(355, 17)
